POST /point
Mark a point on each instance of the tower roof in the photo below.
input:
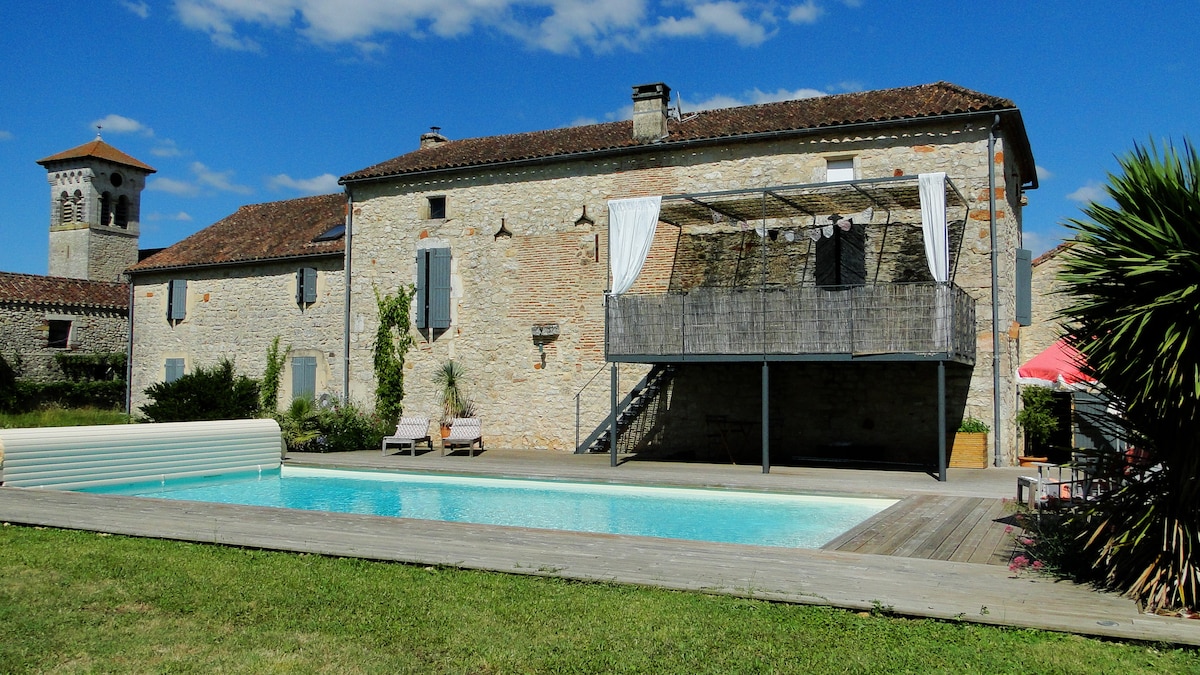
(99, 150)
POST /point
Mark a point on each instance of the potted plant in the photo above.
(969, 450)
(1039, 420)
(454, 401)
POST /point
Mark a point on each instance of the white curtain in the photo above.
(933, 224)
(631, 226)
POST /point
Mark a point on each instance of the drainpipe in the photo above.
(346, 281)
(991, 159)
(129, 351)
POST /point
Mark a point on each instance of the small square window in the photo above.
(437, 208)
(60, 334)
(839, 169)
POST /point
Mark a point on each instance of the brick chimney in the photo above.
(650, 111)
(432, 137)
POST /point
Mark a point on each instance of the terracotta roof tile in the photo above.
(100, 150)
(259, 232)
(1053, 253)
(928, 100)
(40, 290)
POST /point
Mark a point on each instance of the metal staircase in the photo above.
(637, 413)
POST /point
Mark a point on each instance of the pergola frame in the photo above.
(813, 200)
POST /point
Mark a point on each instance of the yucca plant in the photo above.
(1134, 278)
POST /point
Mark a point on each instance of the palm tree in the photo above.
(1134, 278)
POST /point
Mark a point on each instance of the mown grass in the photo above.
(62, 417)
(85, 602)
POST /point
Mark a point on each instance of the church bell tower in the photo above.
(95, 205)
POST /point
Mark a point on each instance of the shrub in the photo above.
(973, 425)
(1037, 417)
(214, 393)
(269, 392)
(342, 427)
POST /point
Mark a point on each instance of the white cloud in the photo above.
(317, 185)
(179, 188)
(752, 97)
(221, 181)
(204, 180)
(182, 216)
(808, 12)
(721, 18)
(166, 148)
(1043, 173)
(118, 124)
(5, 135)
(561, 26)
(1092, 192)
(139, 8)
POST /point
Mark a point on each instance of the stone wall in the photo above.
(553, 271)
(25, 327)
(236, 312)
(1045, 328)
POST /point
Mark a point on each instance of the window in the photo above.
(332, 234)
(172, 370)
(839, 169)
(66, 209)
(842, 257)
(176, 299)
(122, 215)
(304, 376)
(306, 286)
(106, 209)
(60, 334)
(437, 208)
(433, 288)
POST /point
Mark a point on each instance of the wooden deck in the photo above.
(934, 527)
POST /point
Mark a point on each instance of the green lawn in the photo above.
(85, 602)
(62, 417)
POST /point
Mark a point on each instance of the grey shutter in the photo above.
(304, 376)
(174, 370)
(1024, 287)
(439, 288)
(306, 285)
(423, 288)
(177, 299)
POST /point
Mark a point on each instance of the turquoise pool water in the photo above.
(732, 516)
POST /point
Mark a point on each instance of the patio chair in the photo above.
(410, 431)
(464, 432)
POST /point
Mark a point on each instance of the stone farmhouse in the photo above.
(797, 299)
(82, 306)
(266, 271)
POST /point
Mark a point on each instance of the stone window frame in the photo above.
(845, 168)
(435, 207)
(59, 330)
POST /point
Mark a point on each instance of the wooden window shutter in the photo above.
(177, 299)
(306, 285)
(842, 258)
(1024, 286)
(173, 370)
(439, 288)
(304, 376)
(423, 289)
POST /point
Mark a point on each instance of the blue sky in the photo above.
(244, 101)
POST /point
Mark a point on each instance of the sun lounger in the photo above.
(464, 432)
(410, 431)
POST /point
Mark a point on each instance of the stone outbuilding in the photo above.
(266, 271)
(787, 309)
(43, 316)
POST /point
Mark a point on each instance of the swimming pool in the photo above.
(730, 516)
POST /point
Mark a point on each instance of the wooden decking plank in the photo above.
(877, 527)
(994, 510)
(905, 527)
(946, 507)
(943, 528)
(962, 533)
(995, 547)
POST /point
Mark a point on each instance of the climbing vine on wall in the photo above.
(392, 341)
(269, 394)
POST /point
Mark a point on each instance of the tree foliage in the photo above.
(215, 393)
(392, 341)
(269, 391)
(1134, 276)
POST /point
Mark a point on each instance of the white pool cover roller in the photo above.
(68, 458)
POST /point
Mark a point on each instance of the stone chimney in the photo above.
(432, 137)
(650, 112)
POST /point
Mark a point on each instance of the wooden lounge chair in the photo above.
(464, 432)
(410, 431)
